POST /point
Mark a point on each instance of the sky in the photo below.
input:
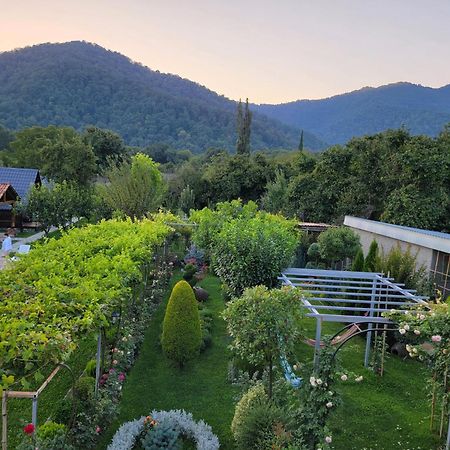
(270, 51)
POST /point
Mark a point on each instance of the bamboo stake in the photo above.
(444, 404)
(4, 420)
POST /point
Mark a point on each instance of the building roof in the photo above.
(425, 238)
(20, 179)
(312, 226)
(6, 188)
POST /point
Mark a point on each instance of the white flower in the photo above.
(328, 439)
(312, 380)
(417, 332)
(402, 331)
(319, 381)
(406, 327)
(295, 367)
(330, 393)
(344, 377)
(415, 350)
(329, 405)
(422, 317)
(358, 379)
(408, 348)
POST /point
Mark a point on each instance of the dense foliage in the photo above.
(181, 335)
(337, 244)
(67, 287)
(263, 324)
(79, 84)
(134, 188)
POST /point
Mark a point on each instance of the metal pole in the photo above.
(34, 410)
(99, 355)
(4, 420)
(370, 325)
(317, 343)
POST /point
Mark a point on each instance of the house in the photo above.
(431, 247)
(19, 181)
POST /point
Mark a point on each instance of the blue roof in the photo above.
(438, 234)
(20, 179)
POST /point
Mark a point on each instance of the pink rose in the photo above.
(436, 338)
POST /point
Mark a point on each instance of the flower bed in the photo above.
(200, 432)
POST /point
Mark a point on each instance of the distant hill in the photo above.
(337, 119)
(79, 84)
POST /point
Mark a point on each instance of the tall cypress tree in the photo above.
(300, 145)
(244, 120)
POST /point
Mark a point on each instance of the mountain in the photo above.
(78, 84)
(337, 119)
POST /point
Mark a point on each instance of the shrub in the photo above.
(181, 336)
(84, 388)
(254, 420)
(250, 252)
(358, 262)
(90, 368)
(65, 411)
(255, 396)
(371, 259)
(50, 430)
(337, 244)
(189, 274)
(162, 436)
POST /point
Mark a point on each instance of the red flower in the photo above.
(28, 429)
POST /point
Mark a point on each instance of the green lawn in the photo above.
(384, 413)
(201, 387)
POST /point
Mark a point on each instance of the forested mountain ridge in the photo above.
(78, 84)
(422, 110)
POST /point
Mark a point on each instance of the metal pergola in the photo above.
(350, 297)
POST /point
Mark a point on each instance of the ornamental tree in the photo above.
(181, 337)
(264, 323)
(337, 244)
(249, 252)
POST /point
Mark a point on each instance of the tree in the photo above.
(187, 199)
(134, 188)
(181, 336)
(358, 262)
(300, 145)
(371, 259)
(244, 120)
(59, 153)
(105, 144)
(249, 252)
(263, 324)
(337, 244)
(275, 200)
(56, 205)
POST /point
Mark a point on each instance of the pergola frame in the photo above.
(332, 295)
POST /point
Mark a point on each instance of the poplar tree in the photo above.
(244, 120)
(300, 145)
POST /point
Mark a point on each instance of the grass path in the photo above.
(201, 387)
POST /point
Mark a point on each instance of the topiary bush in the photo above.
(162, 436)
(50, 430)
(182, 336)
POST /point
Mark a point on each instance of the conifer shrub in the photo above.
(182, 336)
(372, 256)
(358, 262)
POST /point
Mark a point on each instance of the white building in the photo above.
(431, 247)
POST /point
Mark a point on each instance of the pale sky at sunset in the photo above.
(268, 50)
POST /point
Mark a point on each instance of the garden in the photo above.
(202, 348)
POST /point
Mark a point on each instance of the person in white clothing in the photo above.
(6, 245)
